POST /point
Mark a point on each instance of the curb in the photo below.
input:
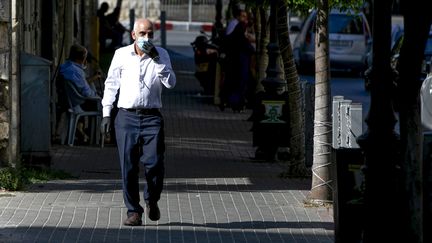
(186, 26)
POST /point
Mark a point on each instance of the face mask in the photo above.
(141, 41)
(84, 65)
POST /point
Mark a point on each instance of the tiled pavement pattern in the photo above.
(213, 191)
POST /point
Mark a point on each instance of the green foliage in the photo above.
(346, 4)
(10, 179)
(13, 179)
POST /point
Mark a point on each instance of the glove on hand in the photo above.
(150, 50)
(105, 125)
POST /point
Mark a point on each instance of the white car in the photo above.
(349, 40)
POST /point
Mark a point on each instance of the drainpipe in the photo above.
(14, 84)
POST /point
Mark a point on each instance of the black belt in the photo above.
(143, 111)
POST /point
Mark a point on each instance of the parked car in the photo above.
(295, 21)
(397, 41)
(349, 40)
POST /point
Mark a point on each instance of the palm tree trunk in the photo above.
(297, 139)
(321, 190)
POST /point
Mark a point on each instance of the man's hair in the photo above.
(135, 26)
(77, 52)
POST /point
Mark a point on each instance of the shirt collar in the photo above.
(76, 64)
(131, 49)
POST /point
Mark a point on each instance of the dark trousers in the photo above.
(140, 138)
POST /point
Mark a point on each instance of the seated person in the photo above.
(73, 71)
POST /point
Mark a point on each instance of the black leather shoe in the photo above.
(153, 211)
(133, 219)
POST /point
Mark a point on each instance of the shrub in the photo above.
(12, 179)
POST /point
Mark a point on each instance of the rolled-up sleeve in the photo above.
(164, 69)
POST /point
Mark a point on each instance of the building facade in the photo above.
(35, 37)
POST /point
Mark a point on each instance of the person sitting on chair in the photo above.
(73, 71)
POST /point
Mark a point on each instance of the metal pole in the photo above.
(144, 15)
(189, 14)
(273, 91)
(163, 29)
(273, 82)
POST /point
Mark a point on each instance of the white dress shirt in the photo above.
(138, 79)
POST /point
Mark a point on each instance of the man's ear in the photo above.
(133, 35)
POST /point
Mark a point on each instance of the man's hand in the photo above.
(95, 77)
(150, 50)
(105, 125)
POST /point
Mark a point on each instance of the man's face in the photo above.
(243, 18)
(143, 29)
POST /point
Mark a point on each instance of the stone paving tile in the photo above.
(213, 191)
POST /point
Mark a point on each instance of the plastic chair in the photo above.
(76, 112)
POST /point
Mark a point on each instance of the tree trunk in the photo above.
(297, 139)
(380, 143)
(321, 190)
(417, 21)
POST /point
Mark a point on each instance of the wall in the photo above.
(5, 76)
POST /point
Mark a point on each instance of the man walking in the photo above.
(138, 73)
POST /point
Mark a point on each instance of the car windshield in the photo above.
(345, 24)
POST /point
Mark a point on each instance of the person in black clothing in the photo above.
(106, 29)
(113, 20)
(237, 68)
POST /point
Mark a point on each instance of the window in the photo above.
(345, 24)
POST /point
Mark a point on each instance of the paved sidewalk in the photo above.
(213, 191)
